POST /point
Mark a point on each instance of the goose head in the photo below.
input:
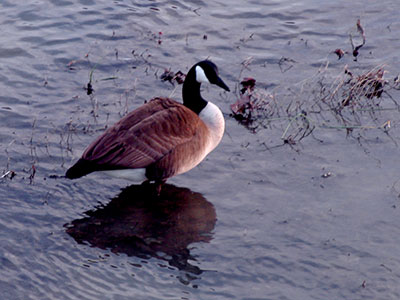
(203, 72)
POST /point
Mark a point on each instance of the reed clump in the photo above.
(347, 101)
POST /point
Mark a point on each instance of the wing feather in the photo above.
(144, 136)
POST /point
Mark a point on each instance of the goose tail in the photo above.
(81, 168)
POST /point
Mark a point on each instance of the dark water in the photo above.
(253, 221)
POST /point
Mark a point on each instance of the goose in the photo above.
(160, 139)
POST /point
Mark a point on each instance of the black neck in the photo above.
(191, 93)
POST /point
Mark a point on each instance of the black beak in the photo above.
(222, 84)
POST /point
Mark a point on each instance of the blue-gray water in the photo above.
(253, 221)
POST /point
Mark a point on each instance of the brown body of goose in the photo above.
(160, 139)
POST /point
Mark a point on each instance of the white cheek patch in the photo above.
(201, 76)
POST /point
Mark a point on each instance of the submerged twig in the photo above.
(362, 34)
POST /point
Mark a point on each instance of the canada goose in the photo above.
(161, 138)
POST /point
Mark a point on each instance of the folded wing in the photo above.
(140, 139)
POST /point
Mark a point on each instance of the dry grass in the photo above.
(346, 101)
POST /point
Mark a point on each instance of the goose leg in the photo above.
(158, 185)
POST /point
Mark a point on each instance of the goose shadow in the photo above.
(139, 223)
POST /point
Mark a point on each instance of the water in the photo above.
(253, 221)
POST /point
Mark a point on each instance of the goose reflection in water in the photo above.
(139, 223)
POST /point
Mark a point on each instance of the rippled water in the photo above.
(253, 221)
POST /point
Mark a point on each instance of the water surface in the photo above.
(253, 221)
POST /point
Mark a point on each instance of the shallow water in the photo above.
(253, 221)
